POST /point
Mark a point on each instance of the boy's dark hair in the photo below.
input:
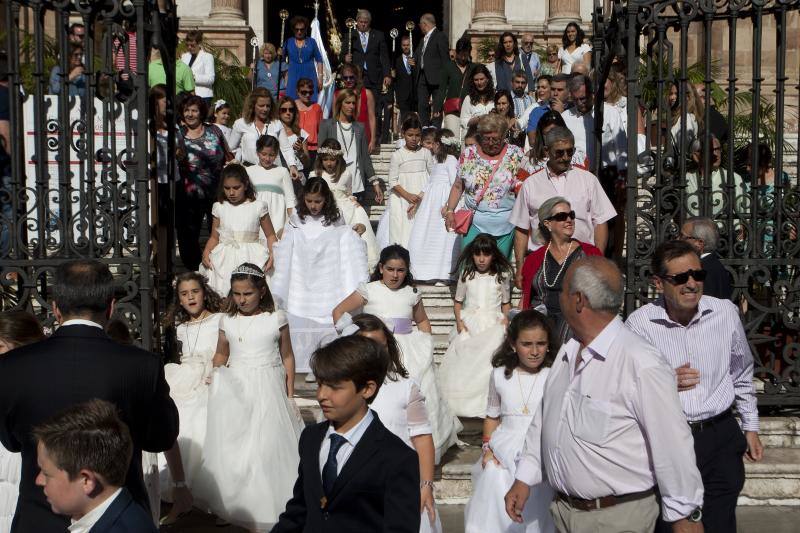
(367, 323)
(393, 251)
(411, 122)
(341, 164)
(486, 245)
(354, 358)
(83, 286)
(317, 185)
(505, 355)
(19, 328)
(89, 436)
(268, 141)
(265, 304)
(236, 171)
(118, 331)
(667, 251)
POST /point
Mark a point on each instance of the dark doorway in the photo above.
(386, 14)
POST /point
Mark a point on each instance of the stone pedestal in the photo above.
(561, 12)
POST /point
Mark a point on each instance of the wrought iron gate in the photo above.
(78, 183)
(746, 60)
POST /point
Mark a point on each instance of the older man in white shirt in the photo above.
(202, 65)
(609, 433)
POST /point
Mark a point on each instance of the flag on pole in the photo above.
(325, 96)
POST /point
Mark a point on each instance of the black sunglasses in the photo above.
(561, 152)
(683, 277)
(348, 78)
(305, 93)
(562, 216)
(287, 110)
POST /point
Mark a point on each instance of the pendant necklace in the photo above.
(346, 146)
(560, 270)
(241, 333)
(197, 336)
(525, 410)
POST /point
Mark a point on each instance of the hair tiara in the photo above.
(219, 103)
(329, 151)
(248, 271)
(450, 141)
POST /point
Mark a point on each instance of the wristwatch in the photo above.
(696, 516)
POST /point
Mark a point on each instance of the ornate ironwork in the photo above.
(80, 180)
(758, 221)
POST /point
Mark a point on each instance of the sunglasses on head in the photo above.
(562, 216)
(683, 277)
(561, 152)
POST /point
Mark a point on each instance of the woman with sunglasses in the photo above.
(305, 59)
(353, 79)
(544, 269)
(287, 114)
(310, 115)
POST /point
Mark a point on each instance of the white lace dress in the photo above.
(273, 187)
(486, 510)
(467, 364)
(353, 213)
(401, 408)
(411, 171)
(10, 465)
(239, 230)
(316, 267)
(250, 455)
(395, 308)
(433, 249)
(189, 391)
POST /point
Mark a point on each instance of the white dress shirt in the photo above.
(714, 342)
(582, 128)
(245, 136)
(87, 521)
(352, 437)
(204, 74)
(424, 46)
(81, 322)
(613, 426)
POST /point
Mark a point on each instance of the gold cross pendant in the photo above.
(525, 410)
(323, 502)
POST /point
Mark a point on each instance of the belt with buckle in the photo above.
(605, 501)
(700, 425)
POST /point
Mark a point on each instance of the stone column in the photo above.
(563, 11)
(227, 10)
(489, 12)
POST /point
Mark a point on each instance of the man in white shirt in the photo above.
(202, 65)
(580, 119)
(610, 431)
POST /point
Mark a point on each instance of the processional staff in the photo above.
(254, 44)
(283, 14)
(350, 23)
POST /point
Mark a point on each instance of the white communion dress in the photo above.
(239, 230)
(189, 391)
(316, 267)
(515, 401)
(410, 170)
(395, 308)
(433, 249)
(250, 453)
(273, 187)
(467, 364)
(353, 213)
(10, 465)
(401, 408)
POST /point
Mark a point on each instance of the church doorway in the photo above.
(386, 14)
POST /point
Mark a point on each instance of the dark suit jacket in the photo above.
(327, 130)
(79, 363)
(718, 280)
(403, 84)
(376, 58)
(437, 55)
(377, 489)
(124, 516)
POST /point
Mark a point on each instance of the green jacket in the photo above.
(456, 84)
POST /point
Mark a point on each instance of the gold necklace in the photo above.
(525, 410)
(241, 333)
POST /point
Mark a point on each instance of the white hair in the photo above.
(363, 13)
(603, 294)
(706, 230)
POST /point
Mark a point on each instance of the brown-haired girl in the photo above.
(515, 392)
(238, 217)
(250, 450)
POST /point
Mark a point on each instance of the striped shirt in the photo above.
(714, 342)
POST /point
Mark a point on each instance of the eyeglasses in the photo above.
(348, 78)
(491, 140)
(561, 152)
(287, 110)
(305, 93)
(683, 277)
(562, 216)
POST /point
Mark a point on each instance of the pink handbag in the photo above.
(462, 219)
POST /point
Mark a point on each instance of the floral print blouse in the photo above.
(201, 162)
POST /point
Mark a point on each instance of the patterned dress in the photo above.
(200, 162)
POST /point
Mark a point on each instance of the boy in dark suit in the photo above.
(83, 456)
(354, 475)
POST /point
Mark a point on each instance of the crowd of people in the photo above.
(588, 422)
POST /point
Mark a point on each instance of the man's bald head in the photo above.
(600, 282)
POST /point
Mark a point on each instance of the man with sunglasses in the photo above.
(702, 338)
(592, 207)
